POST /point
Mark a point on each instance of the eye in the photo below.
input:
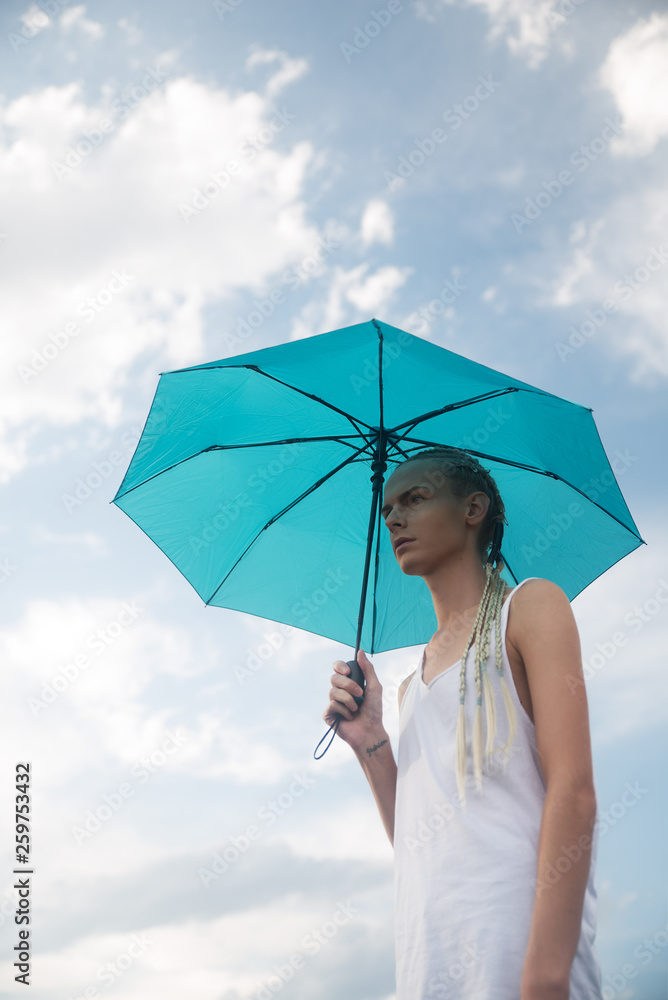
(413, 496)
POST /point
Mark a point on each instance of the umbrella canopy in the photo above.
(259, 476)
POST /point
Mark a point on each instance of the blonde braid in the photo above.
(489, 613)
(492, 618)
(507, 700)
(461, 719)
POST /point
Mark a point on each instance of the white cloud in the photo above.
(622, 257)
(527, 25)
(377, 224)
(133, 35)
(111, 230)
(582, 263)
(636, 73)
(96, 544)
(75, 674)
(371, 294)
(233, 954)
(289, 69)
(247, 755)
(626, 679)
(335, 834)
(374, 292)
(35, 20)
(75, 17)
(79, 675)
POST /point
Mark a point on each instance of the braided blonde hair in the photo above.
(465, 476)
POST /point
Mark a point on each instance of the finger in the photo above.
(344, 683)
(344, 697)
(335, 709)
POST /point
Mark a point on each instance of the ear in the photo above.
(477, 507)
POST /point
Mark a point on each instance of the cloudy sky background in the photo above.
(168, 93)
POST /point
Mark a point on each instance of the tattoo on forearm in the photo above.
(370, 750)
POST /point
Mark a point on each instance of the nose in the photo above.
(394, 518)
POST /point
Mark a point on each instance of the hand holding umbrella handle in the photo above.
(357, 675)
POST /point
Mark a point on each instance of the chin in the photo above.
(409, 569)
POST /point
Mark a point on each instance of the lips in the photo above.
(399, 542)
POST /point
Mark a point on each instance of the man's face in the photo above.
(419, 505)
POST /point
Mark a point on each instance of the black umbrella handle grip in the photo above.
(358, 677)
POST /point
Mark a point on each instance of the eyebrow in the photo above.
(418, 486)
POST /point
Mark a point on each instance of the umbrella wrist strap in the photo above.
(332, 729)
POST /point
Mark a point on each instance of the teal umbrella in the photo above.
(259, 477)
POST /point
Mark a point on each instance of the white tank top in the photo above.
(465, 880)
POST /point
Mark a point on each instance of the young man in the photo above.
(494, 859)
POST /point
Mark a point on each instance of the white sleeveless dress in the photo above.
(465, 879)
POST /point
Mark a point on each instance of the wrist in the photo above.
(373, 744)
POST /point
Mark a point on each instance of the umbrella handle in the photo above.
(357, 675)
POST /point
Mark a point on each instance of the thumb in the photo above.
(366, 666)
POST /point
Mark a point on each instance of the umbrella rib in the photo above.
(341, 439)
(540, 472)
(413, 422)
(293, 503)
(311, 395)
(555, 475)
(355, 421)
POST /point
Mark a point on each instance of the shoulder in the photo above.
(402, 687)
(539, 594)
(539, 608)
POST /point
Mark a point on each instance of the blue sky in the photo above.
(487, 174)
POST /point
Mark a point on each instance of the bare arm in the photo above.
(545, 634)
(362, 728)
(380, 768)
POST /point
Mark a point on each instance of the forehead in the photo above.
(422, 472)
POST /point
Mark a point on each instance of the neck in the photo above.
(456, 590)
